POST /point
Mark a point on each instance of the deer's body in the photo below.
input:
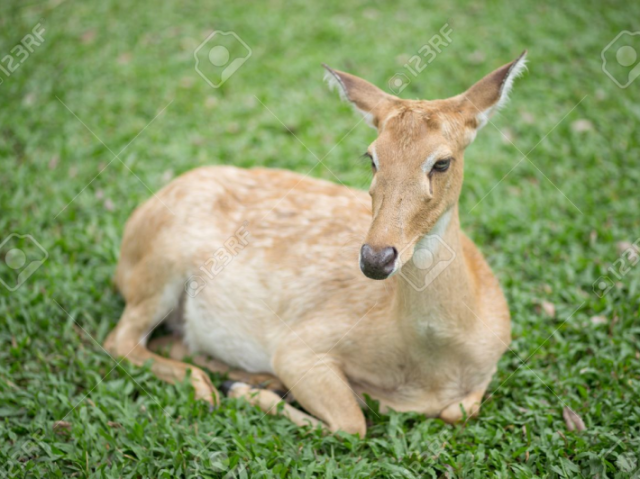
(412, 351)
(291, 299)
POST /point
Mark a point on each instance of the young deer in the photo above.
(292, 301)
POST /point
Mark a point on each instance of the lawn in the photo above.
(108, 107)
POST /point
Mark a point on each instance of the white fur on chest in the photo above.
(224, 335)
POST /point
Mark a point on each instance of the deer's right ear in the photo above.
(367, 99)
(491, 93)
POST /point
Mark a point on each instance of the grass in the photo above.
(549, 225)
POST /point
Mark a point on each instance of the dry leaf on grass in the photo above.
(88, 36)
(549, 309)
(581, 125)
(477, 57)
(61, 427)
(53, 162)
(572, 420)
(623, 246)
(528, 118)
(507, 136)
(167, 176)
(125, 58)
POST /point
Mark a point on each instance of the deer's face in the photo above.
(417, 161)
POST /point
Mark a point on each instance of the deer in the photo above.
(291, 284)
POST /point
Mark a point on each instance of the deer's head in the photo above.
(417, 159)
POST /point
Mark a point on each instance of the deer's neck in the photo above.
(434, 291)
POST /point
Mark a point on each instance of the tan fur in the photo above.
(295, 299)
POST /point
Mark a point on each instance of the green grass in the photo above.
(549, 228)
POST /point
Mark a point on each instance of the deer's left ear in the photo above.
(369, 100)
(491, 93)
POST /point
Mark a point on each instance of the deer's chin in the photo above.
(396, 268)
(403, 260)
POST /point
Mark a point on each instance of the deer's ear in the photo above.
(367, 99)
(491, 93)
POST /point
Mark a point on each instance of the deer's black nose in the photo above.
(377, 263)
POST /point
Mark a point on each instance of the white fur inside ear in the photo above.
(516, 70)
(334, 82)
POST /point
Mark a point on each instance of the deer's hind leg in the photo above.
(149, 302)
(176, 349)
(262, 390)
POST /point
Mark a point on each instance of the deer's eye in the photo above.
(373, 163)
(442, 165)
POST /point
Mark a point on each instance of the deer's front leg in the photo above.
(471, 404)
(320, 386)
